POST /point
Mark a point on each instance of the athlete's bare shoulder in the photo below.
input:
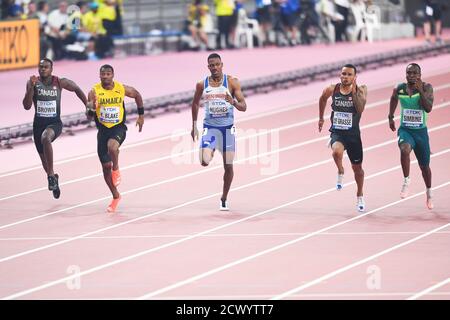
(199, 85)
(363, 88)
(328, 91)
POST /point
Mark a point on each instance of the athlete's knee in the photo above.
(405, 149)
(107, 166)
(337, 153)
(113, 149)
(46, 139)
(205, 158)
(228, 167)
(357, 168)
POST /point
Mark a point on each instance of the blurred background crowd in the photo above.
(107, 28)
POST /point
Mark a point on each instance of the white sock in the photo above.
(406, 180)
(429, 192)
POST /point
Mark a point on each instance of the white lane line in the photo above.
(171, 156)
(179, 134)
(428, 290)
(365, 260)
(170, 244)
(337, 295)
(323, 138)
(194, 150)
(316, 164)
(278, 247)
(169, 136)
(227, 235)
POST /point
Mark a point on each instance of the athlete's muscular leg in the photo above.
(113, 151)
(426, 174)
(228, 158)
(44, 162)
(405, 150)
(206, 155)
(359, 178)
(107, 175)
(46, 139)
(338, 154)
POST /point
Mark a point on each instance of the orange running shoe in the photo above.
(116, 179)
(113, 205)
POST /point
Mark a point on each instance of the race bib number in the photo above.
(218, 109)
(412, 118)
(342, 120)
(46, 109)
(109, 114)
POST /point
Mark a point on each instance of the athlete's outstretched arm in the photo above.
(327, 92)
(28, 99)
(73, 87)
(133, 93)
(426, 96)
(359, 94)
(195, 107)
(239, 101)
(392, 106)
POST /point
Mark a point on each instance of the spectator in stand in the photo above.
(85, 45)
(32, 10)
(197, 15)
(58, 34)
(112, 12)
(343, 8)
(46, 45)
(13, 10)
(224, 13)
(238, 5)
(93, 23)
(264, 17)
(290, 10)
(433, 14)
(4, 11)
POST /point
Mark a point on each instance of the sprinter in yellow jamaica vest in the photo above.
(416, 99)
(106, 105)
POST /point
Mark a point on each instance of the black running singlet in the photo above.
(47, 102)
(344, 118)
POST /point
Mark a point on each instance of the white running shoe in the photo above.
(430, 205)
(361, 205)
(340, 182)
(224, 205)
(405, 187)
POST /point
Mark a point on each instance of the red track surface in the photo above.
(289, 234)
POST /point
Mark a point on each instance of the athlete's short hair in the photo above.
(414, 65)
(48, 60)
(349, 65)
(107, 66)
(213, 56)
